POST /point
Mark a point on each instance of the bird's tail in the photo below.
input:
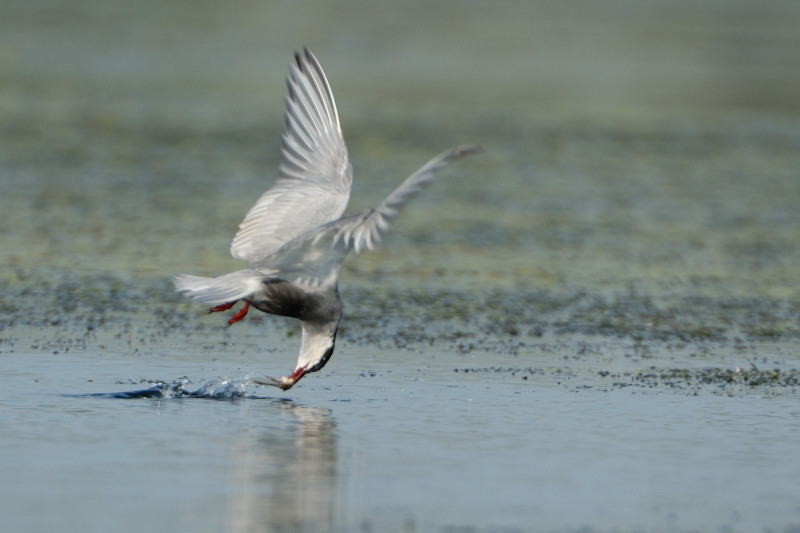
(228, 288)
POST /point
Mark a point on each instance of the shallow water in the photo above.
(594, 326)
(385, 447)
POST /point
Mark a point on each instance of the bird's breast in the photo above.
(284, 298)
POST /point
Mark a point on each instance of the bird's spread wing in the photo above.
(317, 256)
(315, 173)
(367, 229)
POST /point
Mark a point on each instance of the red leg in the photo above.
(222, 307)
(239, 314)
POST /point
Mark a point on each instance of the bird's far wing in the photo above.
(314, 175)
(367, 229)
(316, 257)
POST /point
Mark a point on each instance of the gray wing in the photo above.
(314, 175)
(316, 257)
(367, 229)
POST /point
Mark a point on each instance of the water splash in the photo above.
(222, 389)
(216, 389)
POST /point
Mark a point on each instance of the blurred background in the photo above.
(225, 63)
(650, 144)
(637, 207)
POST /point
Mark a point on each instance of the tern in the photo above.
(295, 238)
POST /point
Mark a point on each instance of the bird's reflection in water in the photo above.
(285, 479)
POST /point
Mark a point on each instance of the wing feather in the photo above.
(367, 230)
(315, 175)
(316, 257)
(228, 288)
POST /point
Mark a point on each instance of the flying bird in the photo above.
(295, 238)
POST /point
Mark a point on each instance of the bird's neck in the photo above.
(317, 344)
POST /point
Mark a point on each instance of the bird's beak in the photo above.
(284, 383)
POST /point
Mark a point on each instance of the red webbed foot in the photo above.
(240, 314)
(222, 307)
